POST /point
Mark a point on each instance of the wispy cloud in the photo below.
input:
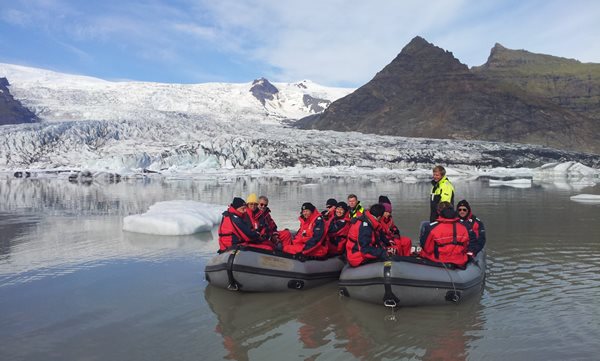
(332, 42)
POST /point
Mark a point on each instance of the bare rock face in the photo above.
(11, 110)
(426, 92)
(263, 90)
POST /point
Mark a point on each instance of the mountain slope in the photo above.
(11, 110)
(58, 97)
(426, 92)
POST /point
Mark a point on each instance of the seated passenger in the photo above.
(329, 211)
(400, 245)
(446, 240)
(269, 230)
(236, 230)
(337, 231)
(252, 210)
(366, 240)
(473, 224)
(309, 240)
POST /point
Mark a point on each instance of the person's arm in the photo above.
(479, 237)
(246, 229)
(318, 233)
(365, 233)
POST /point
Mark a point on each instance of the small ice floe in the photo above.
(174, 218)
(566, 169)
(586, 198)
(310, 185)
(515, 183)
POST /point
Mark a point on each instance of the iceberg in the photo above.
(175, 218)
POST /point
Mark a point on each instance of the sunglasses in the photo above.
(328, 206)
(262, 204)
(462, 210)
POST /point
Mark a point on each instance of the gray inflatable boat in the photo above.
(256, 270)
(413, 281)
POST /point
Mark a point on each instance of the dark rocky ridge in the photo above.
(11, 110)
(263, 90)
(426, 92)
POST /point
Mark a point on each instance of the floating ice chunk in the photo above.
(516, 183)
(570, 169)
(586, 198)
(174, 218)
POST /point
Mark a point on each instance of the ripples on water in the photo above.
(74, 286)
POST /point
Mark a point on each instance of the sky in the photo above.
(334, 43)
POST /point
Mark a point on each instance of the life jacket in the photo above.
(475, 225)
(337, 235)
(356, 253)
(305, 240)
(441, 191)
(401, 243)
(447, 241)
(230, 233)
(357, 211)
(254, 217)
(269, 221)
(389, 228)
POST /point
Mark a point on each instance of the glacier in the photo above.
(191, 129)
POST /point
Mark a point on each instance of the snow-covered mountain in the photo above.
(172, 128)
(58, 97)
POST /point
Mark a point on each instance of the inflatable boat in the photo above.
(413, 281)
(257, 270)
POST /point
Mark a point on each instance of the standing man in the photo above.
(356, 210)
(441, 191)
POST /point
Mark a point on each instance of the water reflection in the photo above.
(318, 324)
(63, 244)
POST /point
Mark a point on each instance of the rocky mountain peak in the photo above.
(420, 57)
(11, 110)
(263, 90)
(502, 57)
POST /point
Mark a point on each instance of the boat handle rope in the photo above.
(389, 298)
(233, 285)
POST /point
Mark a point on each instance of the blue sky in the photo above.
(336, 43)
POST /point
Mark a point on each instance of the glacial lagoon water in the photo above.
(75, 286)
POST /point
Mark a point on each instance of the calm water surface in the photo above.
(74, 286)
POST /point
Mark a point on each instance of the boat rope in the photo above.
(233, 285)
(389, 298)
(454, 297)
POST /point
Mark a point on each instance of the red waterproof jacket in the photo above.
(309, 239)
(446, 240)
(365, 240)
(235, 230)
(475, 225)
(337, 235)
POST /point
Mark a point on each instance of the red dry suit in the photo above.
(235, 230)
(446, 240)
(337, 235)
(309, 239)
(401, 244)
(366, 240)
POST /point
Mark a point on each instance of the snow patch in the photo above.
(175, 218)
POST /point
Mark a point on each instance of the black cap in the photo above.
(377, 210)
(331, 202)
(343, 205)
(308, 206)
(238, 202)
(465, 204)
